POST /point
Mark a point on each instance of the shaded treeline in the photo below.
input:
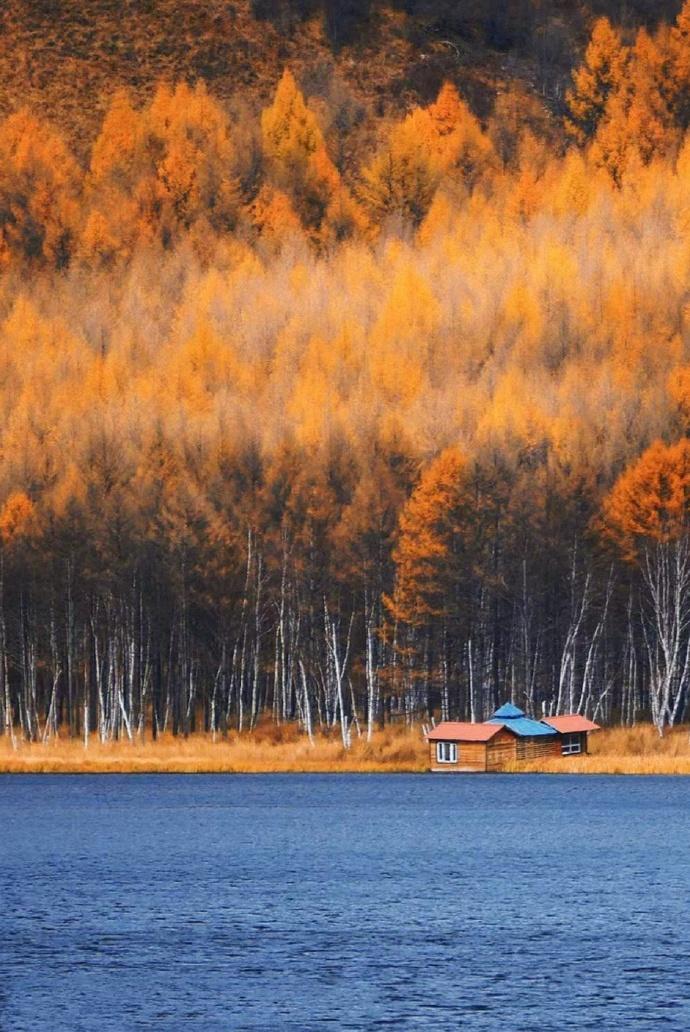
(347, 448)
(268, 598)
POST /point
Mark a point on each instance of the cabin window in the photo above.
(571, 744)
(447, 752)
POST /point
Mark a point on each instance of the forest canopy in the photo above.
(348, 434)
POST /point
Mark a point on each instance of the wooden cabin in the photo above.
(507, 737)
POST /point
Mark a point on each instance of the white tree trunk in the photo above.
(666, 621)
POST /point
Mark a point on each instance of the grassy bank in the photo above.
(268, 749)
(284, 749)
(625, 750)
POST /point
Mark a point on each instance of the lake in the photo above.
(344, 902)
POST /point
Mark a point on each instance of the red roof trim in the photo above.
(570, 723)
(463, 731)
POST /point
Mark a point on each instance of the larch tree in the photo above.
(679, 70)
(299, 165)
(189, 134)
(647, 513)
(112, 225)
(650, 121)
(274, 216)
(18, 526)
(160, 172)
(431, 571)
(517, 110)
(39, 193)
(403, 177)
(363, 542)
(456, 137)
(679, 391)
(116, 152)
(638, 123)
(16, 517)
(601, 74)
(290, 131)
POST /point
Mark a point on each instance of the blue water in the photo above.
(344, 903)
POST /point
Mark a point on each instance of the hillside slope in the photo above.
(64, 58)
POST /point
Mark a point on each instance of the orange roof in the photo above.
(570, 724)
(461, 731)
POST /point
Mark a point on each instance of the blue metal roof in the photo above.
(523, 727)
(508, 712)
(516, 721)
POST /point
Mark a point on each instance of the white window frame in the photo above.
(446, 752)
(571, 744)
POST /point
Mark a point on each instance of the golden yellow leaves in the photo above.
(632, 102)
(651, 499)
(404, 176)
(304, 188)
(39, 183)
(431, 525)
(274, 216)
(538, 310)
(442, 140)
(401, 338)
(600, 75)
(16, 517)
(115, 152)
(290, 131)
(159, 172)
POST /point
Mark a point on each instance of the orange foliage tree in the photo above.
(299, 165)
(638, 122)
(650, 502)
(648, 512)
(403, 177)
(158, 173)
(39, 193)
(678, 83)
(443, 140)
(601, 75)
(431, 568)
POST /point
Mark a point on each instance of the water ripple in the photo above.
(263, 904)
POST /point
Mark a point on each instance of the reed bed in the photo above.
(265, 750)
(284, 749)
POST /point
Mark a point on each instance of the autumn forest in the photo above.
(348, 433)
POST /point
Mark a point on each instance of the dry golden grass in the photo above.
(285, 749)
(624, 750)
(266, 750)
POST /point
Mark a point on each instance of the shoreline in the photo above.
(637, 751)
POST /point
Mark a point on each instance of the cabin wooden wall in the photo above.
(471, 756)
(538, 748)
(500, 751)
(506, 748)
